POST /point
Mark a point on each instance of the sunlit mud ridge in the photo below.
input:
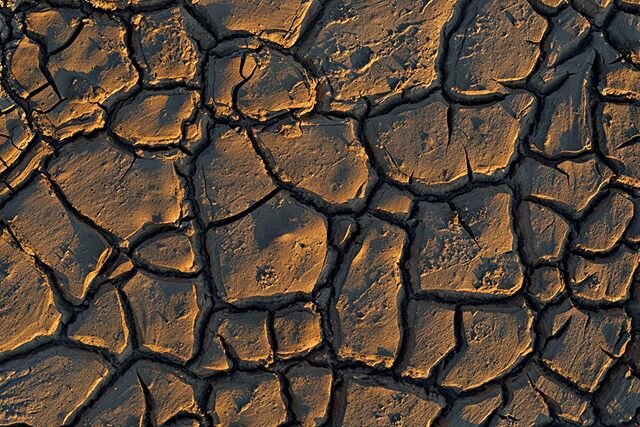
(268, 213)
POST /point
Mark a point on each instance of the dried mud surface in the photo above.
(319, 213)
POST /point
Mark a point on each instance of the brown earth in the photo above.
(256, 213)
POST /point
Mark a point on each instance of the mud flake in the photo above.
(382, 405)
(620, 80)
(310, 391)
(125, 402)
(246, 79)
(624, 32)
(367, 297)
(545, 284)
(224, 74)
(526, 406)
(569, 185)
(283, 237)
(167, 45)
(213, 358)
(482, 57)
(155, 118)
(53, 27)
(597, 10)
(24, 67)
(321, 155)
(495, 339)
(474, 411)
(103, 323)
(543, 232)
(536, 396)
(167, 328)
(74, 251)
(171, 252)
(230, 176)
(568, 32)
(582, 345)
(431, 337)
(568, 405)
(620, 130)
(93, 73)
(468, 250)
(279, 21)
(490, 134)
(100, 180)
(244, 334)
(426, 154)
(15, 137)
(113, 5)
(298, 330)
(27, 309)
(47, 386)
(605, 224)
(414, 150)
(248, 399)
(565, 126)
(375, 51)
(276, 85)
(553, 4)
(606, 278)
(392, 201)
(619, 398)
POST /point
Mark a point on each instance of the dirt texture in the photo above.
(279, 213)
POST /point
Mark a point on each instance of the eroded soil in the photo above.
(319, 213)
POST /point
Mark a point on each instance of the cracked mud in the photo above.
(269, 213)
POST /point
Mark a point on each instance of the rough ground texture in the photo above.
(319, 213)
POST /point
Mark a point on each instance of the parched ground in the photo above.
(319, 213)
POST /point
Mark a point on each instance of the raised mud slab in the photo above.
(279, 213)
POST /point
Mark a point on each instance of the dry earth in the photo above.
(319, 213)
